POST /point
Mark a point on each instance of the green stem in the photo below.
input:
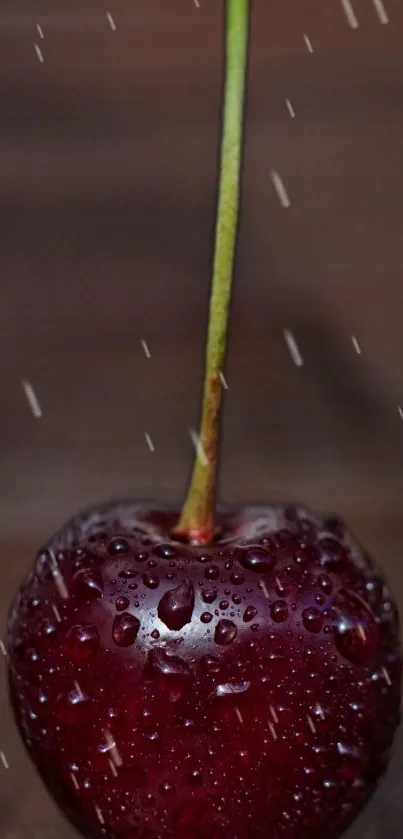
(197, 520)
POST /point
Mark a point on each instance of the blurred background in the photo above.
(108, 152)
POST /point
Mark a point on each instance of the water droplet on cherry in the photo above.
(257, 559)
(88, 584)
(118, 546)
(209, 595)
(354, 626)
(225, 632)
(237, 577)
(124, 629)
(312, 619)
(279, 611)
(332, 555)
(212, 572)
(82, 642)
(121, 603)
(171, 674)
(73, 708)
(151, 580)
(176, 606)
(167, 789)
(249, 613)
(165, 551)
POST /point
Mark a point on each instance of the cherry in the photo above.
(207, 674)
(189, 714)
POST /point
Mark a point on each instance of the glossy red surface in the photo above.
(164, 690)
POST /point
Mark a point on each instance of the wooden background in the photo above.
(107, 165)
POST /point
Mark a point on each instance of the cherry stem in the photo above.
(197, 519)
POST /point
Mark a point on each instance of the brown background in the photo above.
(107, 166)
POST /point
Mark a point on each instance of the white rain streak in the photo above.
(308, 42)
(201, 454)
(386, 676)
(400, 409)
(290, 109)
(279, 584)
(224, 381)
(2, 648)
(79, 691)
(381, 11)
(113, 768)
(59, 583)
(39, 53)
(57, 577)
(74, 779)
(111, 21)
(145, 348)
(239, 715)
(293, 348)
(361, 632)
(32, 398)
(272, 731)
(56, 613)
(149, 441)
(99, 815)
(112, 748)
(4, 760)
(264, 589)
(311, 724)
(281, 191)
(356, 345)
(197, 4)
(40, 30)
(273, 713)
(349, 13)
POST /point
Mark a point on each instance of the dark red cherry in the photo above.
(164, 691)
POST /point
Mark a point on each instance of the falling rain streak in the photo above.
(381, 11)
(145, 348)
(111, 21)
(293, 348)
(311, 724)
(356, 345)
(99, 815)
(281, 191)
(32, 398)
(149, 441)
(239, 715)
(308, 42)
(201, 454)
(57, 577)
(349, 13)
(56, 612)
(4, 760)
(74, 779)
(39, 53)
(264, 589)
(112, 748)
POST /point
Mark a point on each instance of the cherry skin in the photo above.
(167, 691)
